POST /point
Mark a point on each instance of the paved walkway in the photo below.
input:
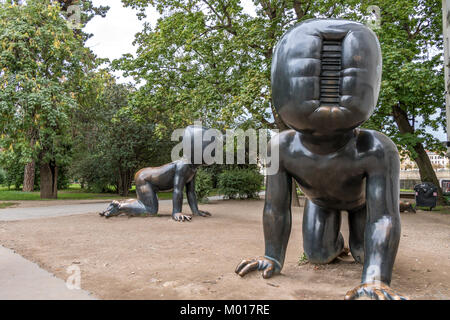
(21, 279)
(15, 214)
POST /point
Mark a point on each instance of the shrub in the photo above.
(14, 175)
(2, 177)
(240, 183)
(203, 184)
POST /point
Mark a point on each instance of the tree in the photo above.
(40, 62)
(412, 95)
(208, 60)
(110, 144)
(86, 13)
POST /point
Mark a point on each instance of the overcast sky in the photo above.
(114, 34)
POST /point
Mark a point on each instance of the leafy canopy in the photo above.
(40, 60)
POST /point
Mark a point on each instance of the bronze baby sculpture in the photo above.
(175, 175)
(326, 76)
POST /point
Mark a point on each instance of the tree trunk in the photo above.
(427, 173)
(125, 181)
(49, 178)
(30, 168)
(28, 176)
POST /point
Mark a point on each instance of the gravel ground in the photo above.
(157, 258)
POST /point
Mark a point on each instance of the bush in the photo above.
(94, 172)
(203, 184)
(14, 175)
(2, 177)
(242, 183)
(63, 178)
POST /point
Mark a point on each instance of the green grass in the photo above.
(440, 209)
(437, 208)
(74, 192)
(302, 260)
(62, 195)
(6, 205)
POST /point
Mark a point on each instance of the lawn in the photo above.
(4, 205)
(74, 192)
(440, 209)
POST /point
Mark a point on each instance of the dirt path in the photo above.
(156, 258)
(24, 210)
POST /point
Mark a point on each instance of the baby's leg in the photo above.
(129, 207)
(147, 195)
(357, 225)
(322, 240)
(132, 207)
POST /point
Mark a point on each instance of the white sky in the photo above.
(114, 34)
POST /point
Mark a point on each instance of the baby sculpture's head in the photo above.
(326, 76)
(196, 139)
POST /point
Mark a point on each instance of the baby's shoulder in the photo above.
(284, 139)
(371, 142)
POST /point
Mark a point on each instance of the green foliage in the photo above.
(4, 205)
(42, 64)
(210, 60)
(72, 193)
(242, 183)
(203, 184)
(207, 60)
(63, 178)
(2, 176)
(110, 145)
(93, 172)
(303, 259)
(88, 11)
(6, 195)
(413, 74)
(13, 175)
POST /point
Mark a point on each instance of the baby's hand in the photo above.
(268, 267)
(374, 290)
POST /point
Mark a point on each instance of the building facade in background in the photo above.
(409, 174)
(437, 161)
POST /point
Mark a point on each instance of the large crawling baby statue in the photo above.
(175, 175)
(326, 79)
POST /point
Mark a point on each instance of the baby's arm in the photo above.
(277, 226)
(382, 231)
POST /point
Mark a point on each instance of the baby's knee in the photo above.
(323, 253)
(320, 257)
(357, 250)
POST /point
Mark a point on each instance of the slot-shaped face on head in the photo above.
(326, 76)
